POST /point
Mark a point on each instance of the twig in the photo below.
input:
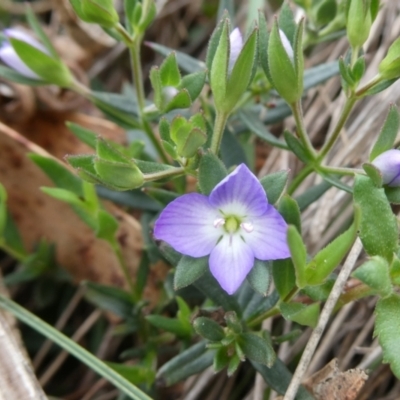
(323, 320)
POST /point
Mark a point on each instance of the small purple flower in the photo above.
(11, 58)
(234, 225)
(389, 164)
(236, 45)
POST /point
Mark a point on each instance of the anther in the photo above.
(247, 226)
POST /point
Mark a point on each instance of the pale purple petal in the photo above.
(389, 165)
(286, 44)
(231, 261)
(187, 224)
(25, 37)
(236, 45)
(240, 193)
(11, 59)
(268, 237)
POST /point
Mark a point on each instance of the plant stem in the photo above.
(323, 320)
(163, 174)
(375, 80)
(334, 135)
(74, 349)
(124, 269)
(301, 130)
(219, 126)
(299, 178)
(341, 171)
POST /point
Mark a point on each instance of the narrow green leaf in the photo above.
(387, 135)
(189, 270)
(107, 227)
(169, 71)
(259, 277)
(287, 23)
(375, 274)
(257, 348)
(211, 172)
(378, 226)
(284, 276)
(106, 151)
(180, 100)
(387, 328)
(274, 184)
(289, 209)
(297, 147)
(83, 134)
(300, 313)
(312, 194)
(194, 83)
(327, 259)
(208, 329)
(170, 325)
(299, 255)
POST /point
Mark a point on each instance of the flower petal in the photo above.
(240, 193)
(10, 58)
(236, 45)
(230, 262)
(268, 238)
(187, 224)
(25, 37)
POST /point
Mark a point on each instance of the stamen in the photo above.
(219, 222)
(247, 226)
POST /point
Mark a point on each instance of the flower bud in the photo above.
(389, 67)
(359, 21)
(100, 12)
(9, 56)
(388, 164)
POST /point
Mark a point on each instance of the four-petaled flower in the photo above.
(9, 56)
(235, 225)
(389, 164)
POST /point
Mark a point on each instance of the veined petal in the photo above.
(268, 237)
(240, 193)
(230, 262)
(236, 45)
(10, 58)
(187, 224)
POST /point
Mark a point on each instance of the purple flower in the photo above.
(234, 225)
(389, 165)
(11, 58)
(236, 45)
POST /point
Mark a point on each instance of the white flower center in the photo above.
(232, 224)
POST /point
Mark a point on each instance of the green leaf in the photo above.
(185, 62)
(375, 274)
(214, 42)
(387, 135)
(299, 255)
(169, 71)
(193, 83)
(219, 70)
(189, 270)
(320, 292)
(327, 259)
(170, 325)
(284, 276)
(58, 173)
(82, 161)
(395, 271)
(358, 69)
(221, 359)
(64, 195)
(106, 151)
(274, 184)
(3, 209)
(107, 227)
(374, 173)
(297, 147)
(393, 194)
(180, 100)
(253, 123)
(281, 68)
(242, 72)
(290, 211)
(109, 298)
(49, 69)
(136, 374)
(157, 87)
(211, 172)
(379, 87)
(300, 313)
(378, 226)
(14, 76)
(259, 277)
(208, 329)
(189, 146)
(257, 348)
(233, 365)
(83, 134)
(387, 328)
(312, 194)
(191, 361)
(287, 23)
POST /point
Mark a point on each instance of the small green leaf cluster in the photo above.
(182, 138)
(139, 14)
(171, 91)
(232, 344)
(109, 167)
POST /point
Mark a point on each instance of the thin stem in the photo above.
(374, 81)
(354, 55)
(299, 178)
(301, 130)
(219, 126)
(74, 349)
(323, 320)
(163, 174)
(334, 135)
(341, 171)
(124, 269)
